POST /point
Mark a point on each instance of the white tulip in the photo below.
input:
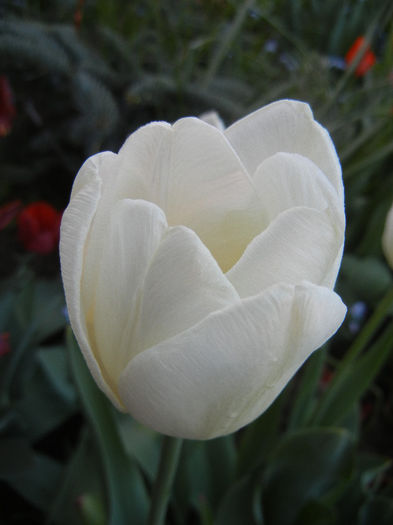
(387, 237)
(198, 265)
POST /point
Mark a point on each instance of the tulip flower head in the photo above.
(387, 238)
(199, 264)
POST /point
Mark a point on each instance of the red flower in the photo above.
(7, 108)
(39, 227)
(327, 376)
(8, 212)
(366, 62)
(4, 343)
(78, 14)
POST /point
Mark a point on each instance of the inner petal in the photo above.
(192, 173)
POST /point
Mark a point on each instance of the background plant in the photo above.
(83, 75)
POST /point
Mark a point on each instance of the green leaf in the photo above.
(7, 298)
(82, 479)
(141, 443)
(261, 436)
(48, 398)
(305, 395)
(241, 504)
(316, 513)
(16, 456)
(368, 470)
(205, 473)
(126, 491)
(304, 468)
(368, 277)
(38, 483)
(37, 314)
(354, 380)
(377, 510)
(221, 457)
(55, 366)
(192, 482)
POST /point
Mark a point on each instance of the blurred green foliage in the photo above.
(86, 74)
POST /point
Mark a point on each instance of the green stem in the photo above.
(170, 453)
(226, 42)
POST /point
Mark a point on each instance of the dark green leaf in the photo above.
(261, 436)
(377, 511)
(48, 398)
(141, 443)
(316, 513)
(126, 491)
(16, 456)
(80, 486)
(305, 398)
(368, 277)
(304, 468)
(221, 457)
(241, 504)
(39, 483)
(355, 380)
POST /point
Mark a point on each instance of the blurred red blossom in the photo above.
(366, 62)
(39, 227)
(8, 212)
(327, 376)
(7, 108)
(78, 14)
(5, 346)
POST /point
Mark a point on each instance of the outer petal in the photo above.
(191, 172)
(184, 285)
(288, 126)
(221, 374)
(134, 234)
(75, 227)
(387, 238)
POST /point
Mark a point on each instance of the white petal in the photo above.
(221, 374)
(300, 244)
(184, 284)
(288, 180)
(191, 172)
(387, 238)
(134, 233)
(287, 126)
(75, 227)
(104, 166)
(214, 119)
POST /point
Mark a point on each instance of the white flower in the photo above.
(198, 265)
(387, 237)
